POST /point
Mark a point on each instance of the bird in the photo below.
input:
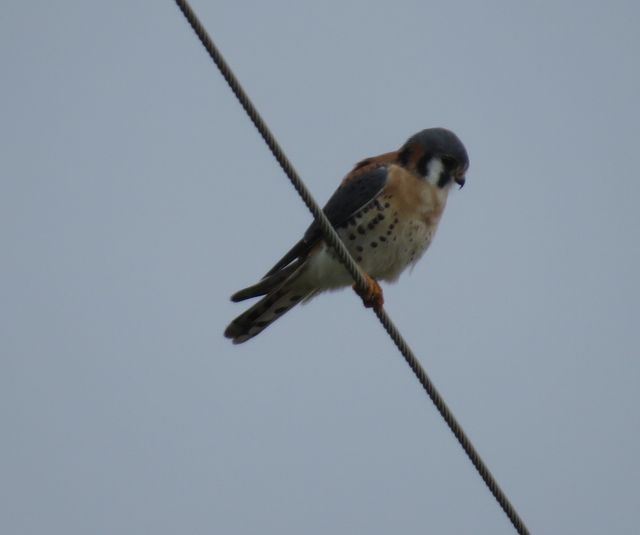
(386, 211)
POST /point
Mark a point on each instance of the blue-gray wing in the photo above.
(353, 195)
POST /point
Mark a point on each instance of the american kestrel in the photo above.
(386, 211)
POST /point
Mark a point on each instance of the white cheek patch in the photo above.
(434, 171)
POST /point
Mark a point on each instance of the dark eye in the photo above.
(449, 162)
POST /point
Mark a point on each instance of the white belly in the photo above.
(383, 251)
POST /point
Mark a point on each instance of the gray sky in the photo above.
(135, 197)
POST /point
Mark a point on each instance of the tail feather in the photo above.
(267, 284)
(271, 307)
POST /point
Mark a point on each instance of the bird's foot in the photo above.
(372, 296)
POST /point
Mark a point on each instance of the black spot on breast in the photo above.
(360, 229)
(386, 205)
(359, 248)
(374, 244)
(382, 238)
(371, 225)
(352, 236)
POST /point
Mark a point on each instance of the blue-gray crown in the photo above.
(440, 142)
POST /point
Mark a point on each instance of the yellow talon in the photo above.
(372, 297)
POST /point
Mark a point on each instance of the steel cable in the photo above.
(332, 238)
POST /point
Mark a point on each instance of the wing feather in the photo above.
(358, 189)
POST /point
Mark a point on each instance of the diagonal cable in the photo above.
(332, 238)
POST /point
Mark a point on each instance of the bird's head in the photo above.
(437, 155)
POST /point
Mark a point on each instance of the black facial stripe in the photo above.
(421, 166)
(444, 179)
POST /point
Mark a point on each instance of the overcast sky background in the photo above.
(135, 197)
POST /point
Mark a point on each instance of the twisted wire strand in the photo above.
(332, 238)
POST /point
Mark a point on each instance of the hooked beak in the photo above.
(460, 180)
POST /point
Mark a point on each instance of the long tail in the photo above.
(269, 283)
(271, 307)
